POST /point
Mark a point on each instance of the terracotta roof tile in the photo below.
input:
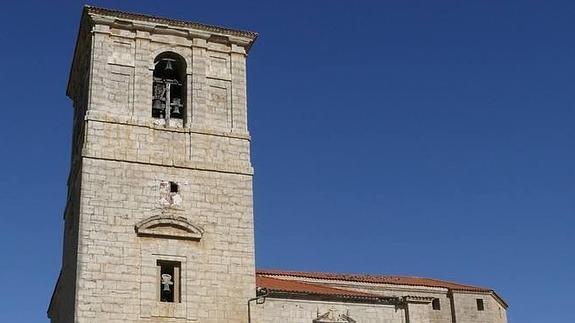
(294, 286)
(377, 279)
(272, 279)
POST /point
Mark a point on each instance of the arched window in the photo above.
(168, 89)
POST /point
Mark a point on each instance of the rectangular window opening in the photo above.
(435, 304)
(173, 187)
(169, 281)
(480, 306)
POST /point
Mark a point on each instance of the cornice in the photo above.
(160, 25)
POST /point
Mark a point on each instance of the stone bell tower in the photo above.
(159, 220)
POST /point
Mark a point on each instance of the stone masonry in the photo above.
(158, 225)
(122, 159)
(307, 296)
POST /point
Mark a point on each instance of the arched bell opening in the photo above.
(169, 87)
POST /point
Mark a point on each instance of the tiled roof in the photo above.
(376, 279)
(287, 282)
(172, 22)
(294, 286)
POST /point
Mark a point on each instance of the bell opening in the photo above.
(168, 87)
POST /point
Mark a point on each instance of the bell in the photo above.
(158, 105)
(158, 109)
(176, 112)
(176, 105)
(168, 65)
(167, 281)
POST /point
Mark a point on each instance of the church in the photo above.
(158, 225)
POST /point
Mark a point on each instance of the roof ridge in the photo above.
(323, 272)
(350, 274)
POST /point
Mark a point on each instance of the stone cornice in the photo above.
(160, 25)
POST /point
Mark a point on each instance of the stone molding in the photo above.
(200, 166)
(132, 21)
(166, 226)
(146, 123)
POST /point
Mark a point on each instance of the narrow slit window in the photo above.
(169, 281)
(480, 305)
(435, 304)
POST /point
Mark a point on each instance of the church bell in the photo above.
(176, 105)
(166, 282)
(168, 67)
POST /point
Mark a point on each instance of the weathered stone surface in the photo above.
(124, 161)
(144, 190)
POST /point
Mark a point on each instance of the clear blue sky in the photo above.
(430, 138)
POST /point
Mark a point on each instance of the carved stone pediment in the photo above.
(168, 226)
(332, 316)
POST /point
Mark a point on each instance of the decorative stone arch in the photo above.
(171, 227)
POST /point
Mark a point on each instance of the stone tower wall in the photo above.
(62, 306)
(122, 160)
